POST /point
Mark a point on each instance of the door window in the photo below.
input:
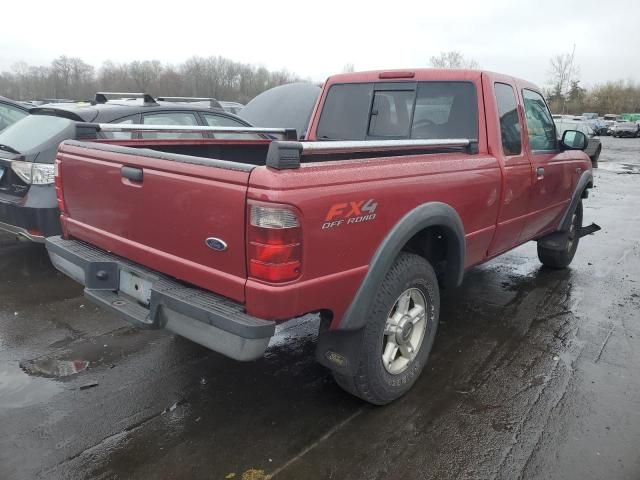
(170, 118)
(509, 120)
(542, 131)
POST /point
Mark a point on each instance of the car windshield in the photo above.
(32, 131)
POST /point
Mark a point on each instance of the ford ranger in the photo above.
(404, 181)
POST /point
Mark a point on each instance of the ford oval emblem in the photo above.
(216, 244)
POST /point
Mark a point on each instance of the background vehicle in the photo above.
(231, 107)
(28, 206)
(12, 111)
(286, 106)
(594, 147)
(626, 129)
(393, 196)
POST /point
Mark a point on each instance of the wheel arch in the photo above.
(405, 234)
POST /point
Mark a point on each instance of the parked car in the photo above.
(28, 206)
(283, 106)
(406, 180)
(626, 129)
(594, 146)
(12, 111)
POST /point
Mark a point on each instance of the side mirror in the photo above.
(574, 140)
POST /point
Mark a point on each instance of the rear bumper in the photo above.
(203, 317)
(34, 216)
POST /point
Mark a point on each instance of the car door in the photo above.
(515, 199)
(552, 173)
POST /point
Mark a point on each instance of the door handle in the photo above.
(132, 173)
(540, 172)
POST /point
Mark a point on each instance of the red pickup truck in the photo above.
(404, 180)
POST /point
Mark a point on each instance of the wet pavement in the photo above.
(534, 375)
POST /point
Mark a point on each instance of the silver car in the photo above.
(594, 147)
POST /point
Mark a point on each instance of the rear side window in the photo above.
(542, 130)
(122, 135)
(509, 121)
(445, 110)
(170, 118)
(345, 112)
(9, 115)
(222, 121)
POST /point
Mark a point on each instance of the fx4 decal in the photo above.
(349, 213)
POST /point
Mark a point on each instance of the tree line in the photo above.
(565, 95)
(563, 91)
(72, 78)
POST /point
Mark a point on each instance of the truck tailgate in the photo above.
(163, 219)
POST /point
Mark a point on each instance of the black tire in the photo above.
(596, 156)
(373, 382)
(562, 258)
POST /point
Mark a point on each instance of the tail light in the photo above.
(274, 243)
(58, 183)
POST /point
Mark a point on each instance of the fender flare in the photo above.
(584, 182)
(432, 214)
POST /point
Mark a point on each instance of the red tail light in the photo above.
(274, 243)
(58, 183)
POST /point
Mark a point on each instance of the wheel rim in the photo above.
(404, 331)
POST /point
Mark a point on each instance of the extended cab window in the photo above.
(542, 130)
(445, 110)
(509, 121)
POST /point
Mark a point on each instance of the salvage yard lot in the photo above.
(533, 375)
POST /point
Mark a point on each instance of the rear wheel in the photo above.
(563, 257)
(399, 332)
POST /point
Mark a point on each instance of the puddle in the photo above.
(17, 389)
(52, 368)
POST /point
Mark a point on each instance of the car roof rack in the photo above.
(102, 97)
(212, 101)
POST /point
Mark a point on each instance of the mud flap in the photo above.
(339, 350)
(558, 240)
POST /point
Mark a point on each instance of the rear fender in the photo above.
(432, 214)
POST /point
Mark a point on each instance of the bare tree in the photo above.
(563, 72)
(348, 68)
(453, 59)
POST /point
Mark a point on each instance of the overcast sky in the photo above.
(316, 39)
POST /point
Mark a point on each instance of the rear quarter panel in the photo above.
(336, 257)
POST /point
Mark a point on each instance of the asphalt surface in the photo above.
(534, 375)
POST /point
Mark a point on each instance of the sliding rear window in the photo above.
(424, 110)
